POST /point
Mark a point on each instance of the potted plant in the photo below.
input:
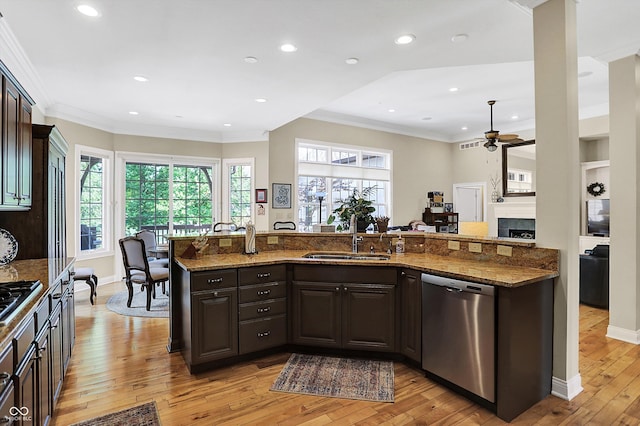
(356, 204)
(383, 223)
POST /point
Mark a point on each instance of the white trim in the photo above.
(626, 335)
(226, 193)
(107, 203)
(566, 389)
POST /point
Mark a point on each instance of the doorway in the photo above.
(470, 202)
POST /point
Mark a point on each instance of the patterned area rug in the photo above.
(337, 377)
(141, 415)
(159, 306)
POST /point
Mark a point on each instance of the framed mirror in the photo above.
(519, 169)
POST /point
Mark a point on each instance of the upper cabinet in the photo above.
(16, 145)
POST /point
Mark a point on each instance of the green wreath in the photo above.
(596, 189)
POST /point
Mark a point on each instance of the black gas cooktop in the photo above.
(14, 296)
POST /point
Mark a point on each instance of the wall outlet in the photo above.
(225, 242)
(475, 247)
(454, 245)
(272, 239)
(505, 250)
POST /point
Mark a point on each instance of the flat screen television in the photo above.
(598, 217)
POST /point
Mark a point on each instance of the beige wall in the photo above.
(419, 165)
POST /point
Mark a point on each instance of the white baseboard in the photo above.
(566, 389)
(626, 335)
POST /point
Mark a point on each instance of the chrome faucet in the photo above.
(353, 227)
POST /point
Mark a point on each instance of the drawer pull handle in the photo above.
(265, 275)
(264, 292)
(4, 379)
(263, 310)
(264, 334)
(5, 420)
(214, 280)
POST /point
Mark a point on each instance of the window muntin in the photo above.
(92, 202)
(350, 169)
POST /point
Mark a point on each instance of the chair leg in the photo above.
(149, 292)
(130, 290)
(93, 284)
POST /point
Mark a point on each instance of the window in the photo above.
(94, 196)
(168, 195)
(238, 181)
(519, 180)
(328, 173)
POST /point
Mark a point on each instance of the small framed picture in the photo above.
(448, 207)
(261, 196)
(281, 193)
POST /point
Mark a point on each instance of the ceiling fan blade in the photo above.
(507, 137)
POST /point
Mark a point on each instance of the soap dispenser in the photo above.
(400, 245)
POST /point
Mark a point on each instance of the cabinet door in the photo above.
(411, 315)
(56, 205)
(316, 314)
(10, 146)
(368, 316)
(57, 361)
(43, 379)
(214, 325)
(25, 155)
(68, 327)
(27, 382)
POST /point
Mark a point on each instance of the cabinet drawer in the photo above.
(262, 274)
(208, 280)
(262, 309)
(257, 292)
(262, 334)
(42, 313)
(22, 340)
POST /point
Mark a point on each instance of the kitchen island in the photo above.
(227, 306)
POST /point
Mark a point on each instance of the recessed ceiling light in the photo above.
(459, 38)
(514, 117)
(426, 118)
(261, 100)
(464, 128)
(288, 48)
(133, 112)
(352, 61)
(391, 110)
(87, 10)
(453, 89)
(405, 39)
(251, 60)
(141, 78)
(178, 116)
(227, 124)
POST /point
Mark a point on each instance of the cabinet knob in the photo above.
(337, 288)
(403, 273)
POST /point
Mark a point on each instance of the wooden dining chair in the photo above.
(151, 244)
(137, 269)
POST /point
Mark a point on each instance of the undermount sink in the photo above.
(346, 256)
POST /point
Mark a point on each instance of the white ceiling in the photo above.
(192, 51)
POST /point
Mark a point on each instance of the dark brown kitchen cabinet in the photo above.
(55, 345)
(351, 308)
(44, 405)
(7, 401)
(26, 374)
(411, 314)
(41, 230)
(210, 316)
(262, 308)
(16, 148)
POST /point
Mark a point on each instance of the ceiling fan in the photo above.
(492, 136)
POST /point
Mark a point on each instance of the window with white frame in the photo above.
(328, 173)
(168, 194)
(94, 197)
(238, 183)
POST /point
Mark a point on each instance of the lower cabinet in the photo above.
(410, 286)
(338, 313)
(215, 316)
(43, 378)
(27, 378)
(55, 345)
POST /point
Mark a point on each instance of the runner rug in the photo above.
(335, 377)
(141, 415)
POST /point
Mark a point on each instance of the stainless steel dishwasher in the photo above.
(458, 333)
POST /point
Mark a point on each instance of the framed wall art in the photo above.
(281, 195)
(261, 196)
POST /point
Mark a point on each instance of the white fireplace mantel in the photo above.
(513, 210)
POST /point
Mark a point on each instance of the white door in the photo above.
(468, 201)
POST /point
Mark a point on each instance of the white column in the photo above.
(624, 139)
(558, 176)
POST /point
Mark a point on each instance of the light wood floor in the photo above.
(121, 361)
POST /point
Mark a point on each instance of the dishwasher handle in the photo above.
(452, 289)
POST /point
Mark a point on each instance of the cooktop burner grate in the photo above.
(14, 296)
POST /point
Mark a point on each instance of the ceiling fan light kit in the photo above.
(492, 136)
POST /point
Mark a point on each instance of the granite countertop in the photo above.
(45, 270)
(474, 270)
